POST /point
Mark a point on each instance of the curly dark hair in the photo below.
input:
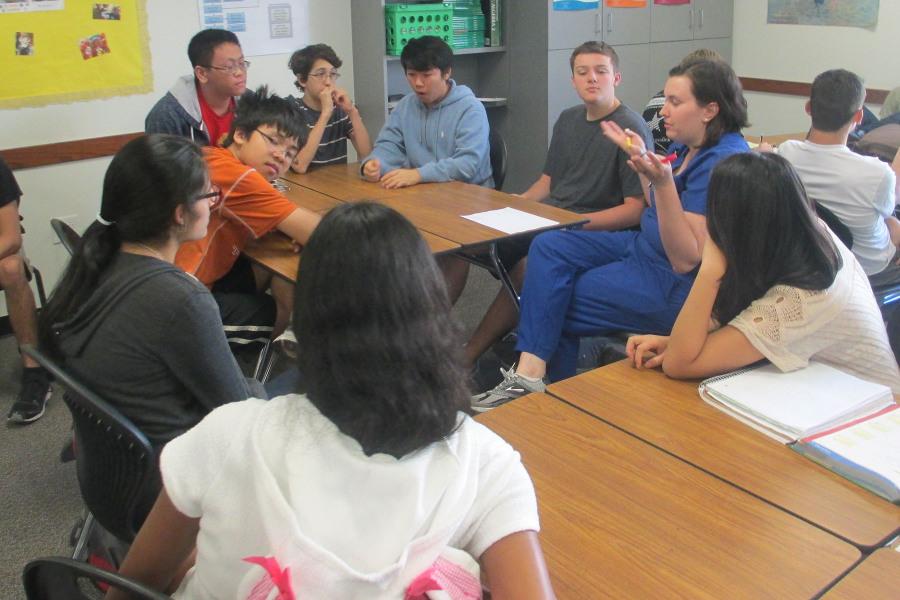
(381, 357)
(302, 60)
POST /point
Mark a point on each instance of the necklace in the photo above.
(152, 251)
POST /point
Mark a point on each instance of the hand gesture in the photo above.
(630, 142)
(327, 102)
(342, 99)
(651, 166)
(372, 170)
(646, 351)
(399, 178)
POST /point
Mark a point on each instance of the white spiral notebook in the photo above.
(798, 404)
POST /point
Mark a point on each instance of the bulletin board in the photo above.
(58, 51)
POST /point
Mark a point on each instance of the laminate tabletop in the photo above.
(622, 519)
(670, 415)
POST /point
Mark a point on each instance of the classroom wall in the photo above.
(799, 53)
(73, 189)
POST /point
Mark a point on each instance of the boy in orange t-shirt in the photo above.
(260, 146)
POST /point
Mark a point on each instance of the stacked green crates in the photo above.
(468, 23)
(404, 22)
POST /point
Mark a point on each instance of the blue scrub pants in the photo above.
(582, 283)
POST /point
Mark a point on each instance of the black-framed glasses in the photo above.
(235, 69)
(289, 151)
(214, 196)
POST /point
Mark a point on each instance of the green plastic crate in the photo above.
(404, 22)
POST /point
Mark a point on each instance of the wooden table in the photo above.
(307, 198)
(436, 209)
(275, 252)
(433, 207)
(777, 138)
(439, 209)
(877, 577)
(621, 519)
(671, 415)
(342, 182)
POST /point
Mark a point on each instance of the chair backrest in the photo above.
(835, 224)
(116, 465)
(498, 158)
(56, 578)
(67, 236)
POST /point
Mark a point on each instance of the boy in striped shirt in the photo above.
(328, 112)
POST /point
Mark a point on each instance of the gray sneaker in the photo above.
(513, 386)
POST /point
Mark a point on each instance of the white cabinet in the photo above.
(626, 25)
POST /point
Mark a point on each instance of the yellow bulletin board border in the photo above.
(134, 76)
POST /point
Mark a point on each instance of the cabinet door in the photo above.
(634, 63)
(713, 18)
(720, 45)
(626, 25)
(560, 93)
(671, 23)
(664, 56)
(569, 28)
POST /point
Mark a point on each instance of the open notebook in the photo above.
(798, 404)
(865, 451)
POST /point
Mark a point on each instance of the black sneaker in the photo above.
(33, 397)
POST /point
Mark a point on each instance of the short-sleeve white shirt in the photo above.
(859, 190)
(278, 479)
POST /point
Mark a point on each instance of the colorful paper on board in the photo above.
(72, 51)
(576, 4)
(626, 3)
(834, 13)
(671, 2)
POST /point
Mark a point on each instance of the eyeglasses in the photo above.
(214, 196)
(235, 69)
(325, 73)
(286, 148)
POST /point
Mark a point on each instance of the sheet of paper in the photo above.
(510, 220)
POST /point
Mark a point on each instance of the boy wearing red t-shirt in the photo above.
(260, 146)
(201, 105)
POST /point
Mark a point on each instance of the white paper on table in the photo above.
(510, 220)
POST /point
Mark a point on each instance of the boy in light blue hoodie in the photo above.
(438, 133)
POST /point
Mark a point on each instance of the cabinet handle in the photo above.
(598, 22)
(700, 20)
(691, 19)
(609, 22)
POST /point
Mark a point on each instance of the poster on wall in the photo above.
(17, 6)
(263, 26)
(834, 13)
(626, 3)
(78, 50)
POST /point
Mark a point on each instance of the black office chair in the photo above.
(67, 236)
(498, 158)
(56, 578)
(886, 294)
(116, 466)
(835, 224)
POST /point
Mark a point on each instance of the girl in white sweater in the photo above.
(782, 286)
